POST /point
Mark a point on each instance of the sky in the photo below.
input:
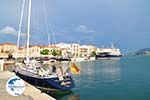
(125, 23)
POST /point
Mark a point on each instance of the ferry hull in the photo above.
(107, 56)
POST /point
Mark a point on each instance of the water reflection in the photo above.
(62, 95)
(93, 78)
(101, 70)
(110, 70)
(110, 80)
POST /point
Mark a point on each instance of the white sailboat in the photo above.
(33, 73)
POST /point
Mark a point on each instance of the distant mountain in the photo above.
(143, 51)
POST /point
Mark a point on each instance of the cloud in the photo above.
(11, 31)
(84, 29)
(8, 30)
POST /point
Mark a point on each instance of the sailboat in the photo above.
(32, 72)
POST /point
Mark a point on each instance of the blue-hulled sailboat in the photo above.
(32, 72)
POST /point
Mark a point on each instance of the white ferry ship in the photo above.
(106, 53)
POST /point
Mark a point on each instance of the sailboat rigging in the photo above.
(34, 73)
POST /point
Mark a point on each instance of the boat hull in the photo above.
(53, 83)
(107, 56)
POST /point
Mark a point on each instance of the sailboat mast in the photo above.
(20, 26)
(28, 30)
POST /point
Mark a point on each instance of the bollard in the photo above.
(1, 64)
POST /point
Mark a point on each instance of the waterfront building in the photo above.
(83, 51)
(64, 52)
(75, 49)
(86, 50)
(66, 48)
(8, 47)
(35, 50)
(1, 48)
(21, 53)
(71, 50)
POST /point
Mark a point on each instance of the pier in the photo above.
(30, 93)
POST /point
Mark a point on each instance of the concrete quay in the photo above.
(30, 93)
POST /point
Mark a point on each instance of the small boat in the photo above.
(61, 58)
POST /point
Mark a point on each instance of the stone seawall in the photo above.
(30, 93)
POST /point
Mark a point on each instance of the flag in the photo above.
(74, 69)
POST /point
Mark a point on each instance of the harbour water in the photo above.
(124, 79)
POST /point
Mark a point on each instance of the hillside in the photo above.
(143, 51)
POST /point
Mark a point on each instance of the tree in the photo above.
(54, 53)
(93, 54)
(44, 52)
(59, 53)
